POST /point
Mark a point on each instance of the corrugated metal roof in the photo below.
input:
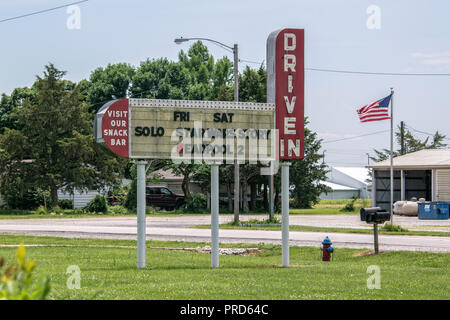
(430, 158)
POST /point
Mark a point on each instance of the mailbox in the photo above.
(374, 215)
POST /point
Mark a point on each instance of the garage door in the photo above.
(443, 185)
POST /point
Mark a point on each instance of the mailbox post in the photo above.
(375, 237)
(374, 216)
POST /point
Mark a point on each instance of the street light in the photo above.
(234, 49)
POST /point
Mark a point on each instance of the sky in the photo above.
(402, 36)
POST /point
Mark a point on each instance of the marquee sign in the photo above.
(187, 130)
(285, 88)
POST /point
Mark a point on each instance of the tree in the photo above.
(186, 170)
(248, 172)
(8, 104)
(305, 174)
(54, 148)
(408, 143)
(112, 82)
(252, 85)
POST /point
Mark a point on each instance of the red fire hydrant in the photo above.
(327, 249)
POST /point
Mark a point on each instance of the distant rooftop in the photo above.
(358, 173)
(337, 187)
(430, 158)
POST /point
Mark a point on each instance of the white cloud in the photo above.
(437, 59)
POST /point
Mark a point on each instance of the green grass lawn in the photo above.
(324, 207)
(301, 228)
(108, 272)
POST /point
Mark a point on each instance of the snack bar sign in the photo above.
(285, 88)
(187, 130)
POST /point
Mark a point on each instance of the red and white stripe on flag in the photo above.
(373, 112)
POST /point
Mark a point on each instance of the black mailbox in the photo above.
(374, 215)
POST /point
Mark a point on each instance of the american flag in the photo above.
(375, 111)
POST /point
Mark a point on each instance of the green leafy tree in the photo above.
(305, 174)
(105, 84)
(8, 104)
(253, 85)
(54, 148)
(186, 170)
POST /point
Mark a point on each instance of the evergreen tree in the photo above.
(408, 143)
(305, 174)
(54, 148)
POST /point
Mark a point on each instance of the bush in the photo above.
(350, 206)
(131, 200)
(393, 228)
(17, 282)
(30, 199)
(118, 210)
(251, 222)
(41, 210)
(98, 204)
(198, 203)
(65, 204)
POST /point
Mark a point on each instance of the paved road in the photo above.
(179, 228)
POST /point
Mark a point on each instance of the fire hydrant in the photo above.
(327, 249)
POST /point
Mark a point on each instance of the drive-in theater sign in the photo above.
(216, 132)
(285, 88)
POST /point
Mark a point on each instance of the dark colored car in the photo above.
(164, 198)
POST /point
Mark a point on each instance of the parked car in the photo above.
(162, 197)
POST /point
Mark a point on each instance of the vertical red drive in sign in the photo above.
(285, 88)
(115, 128)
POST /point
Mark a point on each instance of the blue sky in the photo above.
(414, 37)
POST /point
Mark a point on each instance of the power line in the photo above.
(253, 62)
(378, 73)
(362, 72)
(354, 137)
(42, 11)
(423, 132)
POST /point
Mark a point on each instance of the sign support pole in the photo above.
(141, 223)
(236, 162)
(214, 215)
(285, 212)
(391, 158)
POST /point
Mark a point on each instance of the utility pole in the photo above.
(402, 138)
(234, 49)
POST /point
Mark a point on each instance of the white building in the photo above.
(422, 174)
(347, 182)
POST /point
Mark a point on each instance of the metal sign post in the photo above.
(141, 207)
(285, 212)
(214, 215)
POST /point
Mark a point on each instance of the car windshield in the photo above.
(165, 191)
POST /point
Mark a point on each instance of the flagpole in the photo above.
(391, 157)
